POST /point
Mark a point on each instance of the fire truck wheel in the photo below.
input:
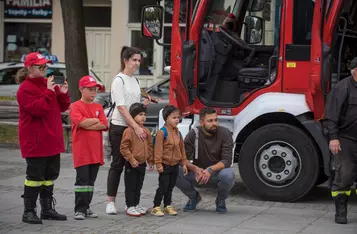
(279, 162)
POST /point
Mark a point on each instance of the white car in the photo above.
(9, 87)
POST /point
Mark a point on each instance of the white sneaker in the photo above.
(131, 211)
(79, 216)
(141, 209)
(110, 209)
(91, 214)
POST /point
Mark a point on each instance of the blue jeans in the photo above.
(224, 180)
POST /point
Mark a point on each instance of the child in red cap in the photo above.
(88, 122)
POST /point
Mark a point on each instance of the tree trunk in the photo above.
(75, 44)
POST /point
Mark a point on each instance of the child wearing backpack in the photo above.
(168, 153)
(136, 153)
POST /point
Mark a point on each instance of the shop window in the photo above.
(103, 16)
(147, 48)
(24, 38)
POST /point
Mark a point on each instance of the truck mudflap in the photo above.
(317, 132)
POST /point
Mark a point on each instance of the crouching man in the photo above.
(211, 147)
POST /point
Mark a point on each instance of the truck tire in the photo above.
(279, 162)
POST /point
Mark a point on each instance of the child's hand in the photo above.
(134, 163)
(151, 167)
(159, 168)
(185, 171)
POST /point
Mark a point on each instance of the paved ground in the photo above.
(246, 214)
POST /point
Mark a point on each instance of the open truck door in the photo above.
(183, 58)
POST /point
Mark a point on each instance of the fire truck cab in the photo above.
(270, 97)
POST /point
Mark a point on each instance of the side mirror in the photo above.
(257, 5)
(152, 22)
(254, 29)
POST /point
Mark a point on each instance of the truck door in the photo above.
(183, 60)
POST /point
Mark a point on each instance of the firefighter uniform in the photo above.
(341, 123)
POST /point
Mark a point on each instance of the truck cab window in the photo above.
(302, 21)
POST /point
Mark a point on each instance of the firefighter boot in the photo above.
(48, 203)
(341, 208)
(30, 215)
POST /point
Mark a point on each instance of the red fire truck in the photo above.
(270, 96)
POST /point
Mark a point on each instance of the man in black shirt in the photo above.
(341, 123)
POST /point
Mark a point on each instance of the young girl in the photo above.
(125, 91)
(136, 153)
(41, 102)
(169, 152)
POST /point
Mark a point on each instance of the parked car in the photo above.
(160, 90)
(9, 87)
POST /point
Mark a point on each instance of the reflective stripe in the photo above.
(83, 189)
(47, 182)
(31, 183)
(336, 193)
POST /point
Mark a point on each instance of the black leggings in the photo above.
(117, 165)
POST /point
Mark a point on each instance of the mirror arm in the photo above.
(161, 44)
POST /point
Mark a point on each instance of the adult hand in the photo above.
(198, 173)
(139, 131)
(147, 102)
(205, 177)
(335, 146)
(160, 168)
(64, 87)
(50, 83)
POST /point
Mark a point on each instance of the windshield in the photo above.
(219, 9)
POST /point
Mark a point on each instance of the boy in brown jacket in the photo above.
(136, 153)
(169, 152)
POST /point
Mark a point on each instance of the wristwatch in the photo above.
(209, 169)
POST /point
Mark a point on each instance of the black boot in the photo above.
(341, 208)
(30, 215)
(48, 211)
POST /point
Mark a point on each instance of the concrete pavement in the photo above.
(247, 214)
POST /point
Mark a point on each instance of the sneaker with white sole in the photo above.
(132, 211)
(141, 209)
(91, 214)
(79, 216)
(110, 209)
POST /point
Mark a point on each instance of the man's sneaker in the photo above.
(110, 209)
(170, 210)
(79, 216)
(156, 211)
(131, 211)
(192, 203)
(91, 214)
(141, 209)
(221, 206)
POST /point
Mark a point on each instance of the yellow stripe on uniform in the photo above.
(336, 193)
(31, 183)
(47, 183)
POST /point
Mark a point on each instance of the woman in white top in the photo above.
(125, 91)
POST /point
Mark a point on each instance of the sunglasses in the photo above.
(40, 67)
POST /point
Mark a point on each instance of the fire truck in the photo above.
(271, 97)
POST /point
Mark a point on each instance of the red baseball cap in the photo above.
(88, 82)
(35, 58)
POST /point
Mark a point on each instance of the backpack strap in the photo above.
(196, 142)
(165, 132)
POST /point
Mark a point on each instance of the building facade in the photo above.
(37, 25)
